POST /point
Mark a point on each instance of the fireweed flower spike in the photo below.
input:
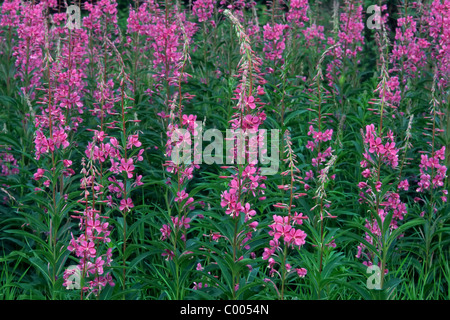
(247, 179)
(378, 151)
(29, 53)
(123, 157)
(285, 229)
(180, 129)
(57, 119)
(95, 232)
(349, 41)
(323, 160)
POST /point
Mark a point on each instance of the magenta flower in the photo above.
(127, 166)
(296, 237)
(250, 102)
(39, 174)
(181, 195)
(301, 272)
(133, 140)
(126, 205)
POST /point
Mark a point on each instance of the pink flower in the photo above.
(39, 174)
(403, 185)
(366, 173)
(378, 186)
(127, 166)
(297, 237)
(133, 140)
(301, 272)
(67, 163)
(138, 181)
(165, 231)
(250, 102)
(181, 195)
(169, 254)
(126, 204)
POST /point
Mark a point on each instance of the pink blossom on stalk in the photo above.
(274, 41)
(301, 272)
(127, 167)
(403, 185)
(181, 195)
(133, 140)
(126, 204)
(350, 38)
(203, 9)
(298, 12)
(39, 174)
(389, 201)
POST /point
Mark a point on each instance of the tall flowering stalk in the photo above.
(29, 51)
(323, 159)
(128, 154)
(437, 17)
(180, 129)
(246, 180)
(166, 40)
(59, 60)
(349, 42)
(438, 27)
(408, 53)
(433, 174)
(285, 227)
(90, 245)
(382, 196)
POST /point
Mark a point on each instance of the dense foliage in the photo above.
(348, 102)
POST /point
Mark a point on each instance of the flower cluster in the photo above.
(297, 13)
(409, 49)
(95, 235)
(29, 52)
(350, 38)
(438, 22)
(167, 40)
(102, 19)
(274, 41)
(381, 147)
(285, 229)
(438, 172)
(314, 35)
(179, 225)
(203, 9)
(379, 150)
(179, 130)
(10, 14)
